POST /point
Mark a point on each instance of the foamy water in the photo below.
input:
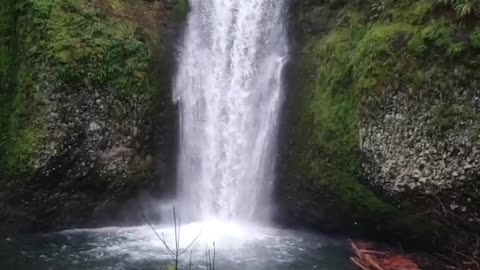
(229, 88)
(239, 246)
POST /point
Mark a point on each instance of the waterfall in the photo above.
(229, 90)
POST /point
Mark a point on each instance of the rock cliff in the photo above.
(385, 121)
(84, 102)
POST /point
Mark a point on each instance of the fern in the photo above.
(377, 8)
(475, 38)
(463, 8)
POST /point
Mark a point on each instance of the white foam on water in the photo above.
(235, 242)
(229, 89)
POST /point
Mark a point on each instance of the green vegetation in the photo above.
(448, 116)
(371, 50)
(327, 158)
(7, 43)
(68, 44)
(393, 9)
(82, 44)
(475, 37)
(181, 8)
(7, 65)
(463, 7)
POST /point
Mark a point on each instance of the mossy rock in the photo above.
(77, 117)
(378, 61)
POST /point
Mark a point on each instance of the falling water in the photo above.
(229, 90)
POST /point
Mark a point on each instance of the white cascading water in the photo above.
(229, 90)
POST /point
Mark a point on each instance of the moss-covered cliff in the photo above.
(385, 127)
(81, 86)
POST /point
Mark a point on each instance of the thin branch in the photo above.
(191, 244)
(172, 253)
(177, 227)
(476, 250)
(206, 256)
(176, 238)
(476, 189)
(209, 260)
(472, 260)
(155, 231)
(358, 263)
(190, 264)
(213, 268)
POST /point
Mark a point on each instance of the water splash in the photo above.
(238, 246)
(229, 91)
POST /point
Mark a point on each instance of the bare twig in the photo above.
(190, 264)
(206, 257)
(213, 268)
(477, 245)
(209, 260)
(373, 263)
(161, 238)
(476, 189)
(191, 244)
(177, 236)
(367, 251)
(471, 260)
(358, 263)
(177, 227)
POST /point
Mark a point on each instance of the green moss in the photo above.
(72, 44)
(421, 11)
(450, 116)
(475, 38)
(352, 61)
(374, 56)
(181, 8)
(372, 47)
(7, 65)
(325, 157)
(84, 45)
(334, 107)
(7, 42)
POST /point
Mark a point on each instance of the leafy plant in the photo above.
(463, 8)
(181, 8)
(49, 45)
(378, 7)
(475, 38)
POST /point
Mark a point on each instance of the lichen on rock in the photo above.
(388, 107)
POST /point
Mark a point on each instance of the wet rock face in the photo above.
(420, 159)
(95, 132)
(89, 123)
(387, 123)
(98, 152)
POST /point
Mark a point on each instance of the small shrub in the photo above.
(475, 38)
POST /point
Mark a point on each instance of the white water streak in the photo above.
(229, 91)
